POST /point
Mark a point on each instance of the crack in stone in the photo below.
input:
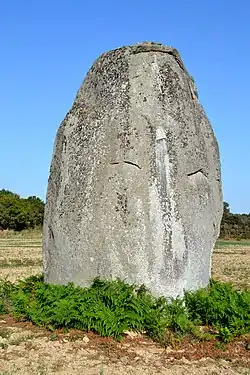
(126, 162)
(136, 76)
(131, 163)
(197, 171)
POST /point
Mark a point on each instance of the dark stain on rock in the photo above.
(122, 205)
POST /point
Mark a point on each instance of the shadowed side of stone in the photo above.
(135, 187)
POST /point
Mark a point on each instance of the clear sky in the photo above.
(47, 47)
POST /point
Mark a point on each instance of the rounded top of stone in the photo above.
(145, 47)
(154, 45)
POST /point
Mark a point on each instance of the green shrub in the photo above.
(112, 307)
(20, 213)
(220, 306)
(6, 289)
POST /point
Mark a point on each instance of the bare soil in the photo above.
(27, 349)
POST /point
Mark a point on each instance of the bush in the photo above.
(111, 307)
(6, 290)
(234, 225)
(222, 307)
(18, 213)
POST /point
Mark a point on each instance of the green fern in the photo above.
(111, 307)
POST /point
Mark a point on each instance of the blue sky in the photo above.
(48, 46)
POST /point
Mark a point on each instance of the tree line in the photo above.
(20, 213)
(234, 225)
(23, 213)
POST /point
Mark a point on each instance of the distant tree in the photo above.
(226, 208)
(234, 225)
(20, 213)
(8, 193)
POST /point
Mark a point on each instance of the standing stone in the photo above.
(135, 188)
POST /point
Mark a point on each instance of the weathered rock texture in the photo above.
(135, 187)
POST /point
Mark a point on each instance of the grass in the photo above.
(20, 254)
(27, 233)
(225, 243)
(19, 246)
(110, 308)
(9, 242)
(231, 264)
(230, 258)
(5, 332)
(20, 263)
(20, 339)
(33, 238)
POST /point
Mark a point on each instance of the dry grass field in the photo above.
(231, 262)
(26, 349)
(21, 256)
